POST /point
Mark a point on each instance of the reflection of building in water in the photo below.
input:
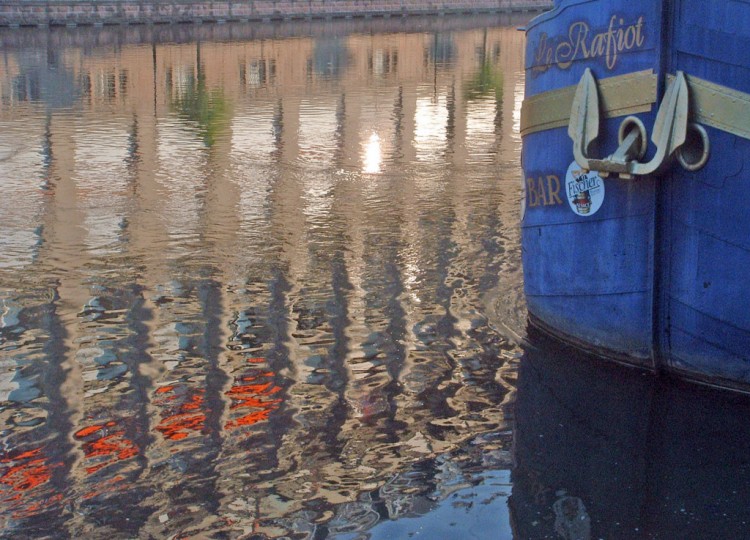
(87, 226)
(329, 59)
(265, 295)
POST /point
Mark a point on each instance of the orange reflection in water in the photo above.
(186, 418)
(23, 474)
(251, 396)
(29, 471)
(108, 445)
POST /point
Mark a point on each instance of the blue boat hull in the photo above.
(650, 269)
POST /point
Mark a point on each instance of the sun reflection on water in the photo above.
(373, 155)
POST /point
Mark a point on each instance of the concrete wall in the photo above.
(86, 12)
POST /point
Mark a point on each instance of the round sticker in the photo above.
(585, 190)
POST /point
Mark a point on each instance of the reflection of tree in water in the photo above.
(208, 109)
(205, 108)
(487, 80)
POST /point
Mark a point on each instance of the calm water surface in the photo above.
(263, 281)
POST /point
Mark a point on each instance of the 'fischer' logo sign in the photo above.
(585, 190)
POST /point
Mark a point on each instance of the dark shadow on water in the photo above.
(603, 451)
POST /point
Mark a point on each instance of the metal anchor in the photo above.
(669, 132)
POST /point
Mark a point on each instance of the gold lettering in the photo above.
(597, 45)
(553, 188)
(582, 44)
(540, 53)
(568, 51)
(531, 193)
(640, 38)
(620, 35)
(541, 192)
(630, 37)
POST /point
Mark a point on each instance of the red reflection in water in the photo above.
(186, 418)
(23, 474)
(107, 445)
(253, 400)
(30, 470)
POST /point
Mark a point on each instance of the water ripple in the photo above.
(244, 285)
